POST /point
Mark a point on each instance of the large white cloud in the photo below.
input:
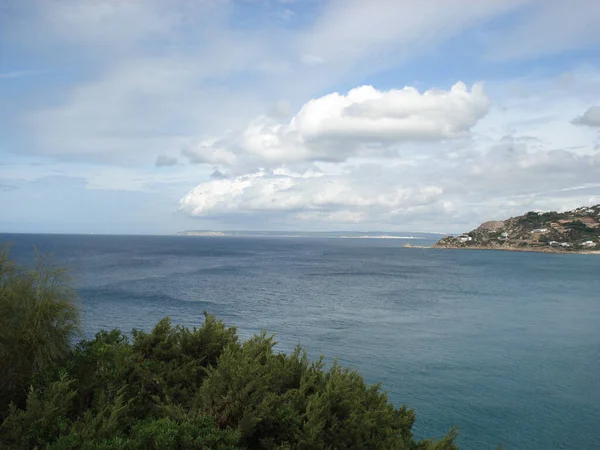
(305, 196)
(508, 178)
(369, 115)
(364, 122)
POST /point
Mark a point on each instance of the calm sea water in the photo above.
(504, 345)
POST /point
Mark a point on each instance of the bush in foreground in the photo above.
(180, 388)
(38, 321)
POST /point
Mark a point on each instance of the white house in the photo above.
(540, 230)
(589, 244)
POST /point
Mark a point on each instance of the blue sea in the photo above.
(504, 345)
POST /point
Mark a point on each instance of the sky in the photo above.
(156, 116)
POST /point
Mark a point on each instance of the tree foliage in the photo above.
(39, 318)
(180, 388)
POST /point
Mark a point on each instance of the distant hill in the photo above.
(571, 231)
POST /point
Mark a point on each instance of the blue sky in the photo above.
(156, 116)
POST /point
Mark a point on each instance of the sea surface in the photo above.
(504, 345)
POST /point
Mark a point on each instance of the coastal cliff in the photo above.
(576, 231)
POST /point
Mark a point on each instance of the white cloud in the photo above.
(503, 180)
(365, 122)
(366, 114)
(305, 196)
(591, 117)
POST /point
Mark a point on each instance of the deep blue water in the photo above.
(504, 345)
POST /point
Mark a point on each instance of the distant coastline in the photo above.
(575, 232)
(316, 234)
(514, 249)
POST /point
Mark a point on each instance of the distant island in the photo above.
(576, 231)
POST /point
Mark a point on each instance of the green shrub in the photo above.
(279, 401)
(44, 417)
(176, 358)
(39, 318)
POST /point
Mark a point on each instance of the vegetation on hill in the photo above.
(571, 231)
(174, 387)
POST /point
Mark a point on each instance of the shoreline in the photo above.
(524, 250)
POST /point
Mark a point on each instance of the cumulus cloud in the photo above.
(591, 117)
(364, 122)
(369, 115)
(505, 179)
(165, 161)
(306, 196)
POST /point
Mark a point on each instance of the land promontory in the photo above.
(576, 231)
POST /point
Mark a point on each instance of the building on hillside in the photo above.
(589, 221)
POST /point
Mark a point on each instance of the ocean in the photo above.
(504, 345)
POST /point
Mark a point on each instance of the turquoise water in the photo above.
(504, 345)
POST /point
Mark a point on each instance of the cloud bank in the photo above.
(328, 114)
(372, 158)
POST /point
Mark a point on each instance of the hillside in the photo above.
(571, 231)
